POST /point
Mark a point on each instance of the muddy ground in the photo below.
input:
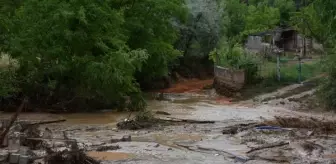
(236, 136)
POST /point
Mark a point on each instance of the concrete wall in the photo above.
(228, 78)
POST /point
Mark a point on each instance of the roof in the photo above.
(270, 32)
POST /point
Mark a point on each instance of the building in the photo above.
(286, 39)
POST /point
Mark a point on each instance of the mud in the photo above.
(193, 85)
(195, 143)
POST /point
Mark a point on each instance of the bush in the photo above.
(8, 83)
(235, 57)
(327, 89)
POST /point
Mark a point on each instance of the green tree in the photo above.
(150, 24)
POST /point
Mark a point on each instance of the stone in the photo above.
(157, 145)
(170, 148)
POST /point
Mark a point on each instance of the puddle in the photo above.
(109, 156)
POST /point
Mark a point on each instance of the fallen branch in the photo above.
(272, 145)
(53, 139)
(42, 123)
(171, 119)
(12, 120)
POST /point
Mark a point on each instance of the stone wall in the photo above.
(227, 81)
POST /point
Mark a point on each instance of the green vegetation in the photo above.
(317, 20)
(241, 19)
(87, 50)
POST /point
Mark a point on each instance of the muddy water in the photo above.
(95, 118)
(144, 143)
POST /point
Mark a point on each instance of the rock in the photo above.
(113, 140)
(170, 148)
(157, 145)
(282, 102)
(162, 113)
(126, 138)
(230, 130)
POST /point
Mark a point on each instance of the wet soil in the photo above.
(191, 85)
(191, 143)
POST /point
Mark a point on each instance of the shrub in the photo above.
(235, 57)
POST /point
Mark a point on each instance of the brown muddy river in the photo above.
(163, 145)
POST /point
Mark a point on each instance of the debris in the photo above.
(41, 123)
(162, 113)
(76, 157)
(108, 147)
(304, 123)
(4, 154)
(230, 130)
(157, 145)
(171, 119)
(133, 124)
(268, 146)
(239, 128)
(12, 120)
(268, 128)
(126, 138)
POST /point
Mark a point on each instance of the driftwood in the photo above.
(41, 123)
(171, 119)
(51, 139)
(272, 145)
(12, 120)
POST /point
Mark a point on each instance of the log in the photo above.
(54, 139)
(42, 123)
(171, 119)
(272, 145)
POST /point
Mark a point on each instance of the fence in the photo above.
(289, 69)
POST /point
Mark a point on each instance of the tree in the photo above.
(91, 50)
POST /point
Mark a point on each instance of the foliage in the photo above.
(236, 58)
(89, 49)
(7, 81)
(239, 20)
(261, 18)
(317, 20)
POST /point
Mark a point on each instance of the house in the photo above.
(285, 39)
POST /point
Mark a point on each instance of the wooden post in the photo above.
(278, 57)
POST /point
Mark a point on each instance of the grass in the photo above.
(289, 75)
(290, 72)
